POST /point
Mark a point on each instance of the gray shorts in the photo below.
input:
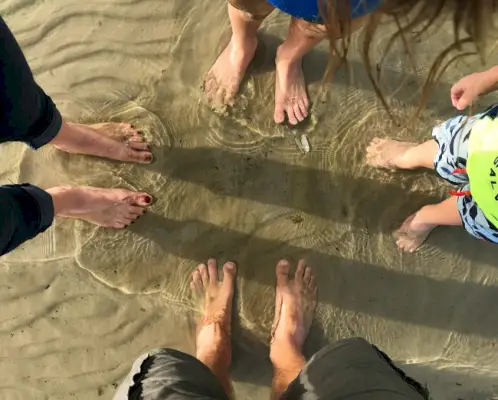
(351, 368)
(452, 137)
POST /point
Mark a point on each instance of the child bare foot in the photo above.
(291, 97)
(223, 80)
(215, 298)
(412, 233)
(387, 153)
(295, 304)
(115, 141)
(110, 208)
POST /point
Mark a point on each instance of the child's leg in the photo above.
(290, 91)
(417, 227)
(387, 153)
(223, 80)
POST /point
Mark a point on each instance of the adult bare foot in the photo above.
(214, 328)
(412, 233)
(223, 80)
(295, 305)
(116, 141)
(291, 97)
(387, 153)
(110, 208)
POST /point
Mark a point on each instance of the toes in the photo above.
(212, 271)
(291, 116)
(303, 107)
(229, 272)
(203, 271)
(138, 144)
(118, 225)
(279, 115)
(308, 273)
(282, 271)
(301, 267)
(134, 211)
(140, 156)
(140, 199)
(298, 113)
(312, 284)
(196, 280)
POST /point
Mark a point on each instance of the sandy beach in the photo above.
(80, 303)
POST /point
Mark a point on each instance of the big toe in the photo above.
(140, 199)
(282, 272)
(279, 114)
(229, 272)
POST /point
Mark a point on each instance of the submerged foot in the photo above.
(215, 299)
(412, 234)
(110, 208)
(387, 153)
(291, 97)
(295, 304)
(223, 80)
(116, 141)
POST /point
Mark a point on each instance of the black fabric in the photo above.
(25, 211)
(353, 369)
(27, 114)
(172, 375)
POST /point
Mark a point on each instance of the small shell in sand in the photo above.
(305, 144)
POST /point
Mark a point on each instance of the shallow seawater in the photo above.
(236, 187)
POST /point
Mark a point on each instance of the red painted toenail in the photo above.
(147, 199)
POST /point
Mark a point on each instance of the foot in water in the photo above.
(215, 298)
(291, 97)
(412, 234)
(110, 208)
(223, 80)
(295, 304)
(387, 153)
(115, 141)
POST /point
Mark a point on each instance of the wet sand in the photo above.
(79, 304)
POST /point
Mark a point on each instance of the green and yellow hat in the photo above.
(482, 166)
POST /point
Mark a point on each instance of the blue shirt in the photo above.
(309, 11)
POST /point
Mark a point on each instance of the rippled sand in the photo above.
(80, 303)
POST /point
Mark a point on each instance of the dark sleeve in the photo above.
(25, 211)
(27, 114)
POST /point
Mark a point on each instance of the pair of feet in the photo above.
(392, 154)
(111, 208)
(295, 305)
(222, 82)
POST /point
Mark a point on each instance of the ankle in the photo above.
(284, 354)
(61, 198)
(287, 57)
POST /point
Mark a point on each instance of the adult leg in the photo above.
(295, 305)
(222, 82)
(27, 114)
(26, 210)
(353, 368)
(168, 373)
(213, 347)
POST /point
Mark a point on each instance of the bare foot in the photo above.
(387, 153)
(295, 304)
(214, 328)
(110, 208)
(223, 80)
(116, 141)
(290, 91)
(412, 234)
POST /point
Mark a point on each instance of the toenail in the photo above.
(147, 199)
(148, 157)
